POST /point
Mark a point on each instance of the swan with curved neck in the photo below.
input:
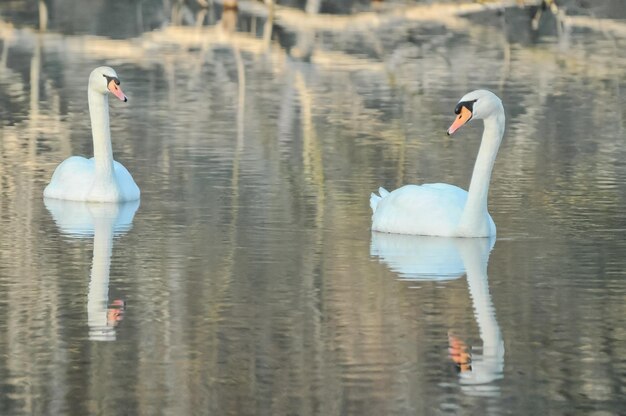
(446, 210)
(99, 179)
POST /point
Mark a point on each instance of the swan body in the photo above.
(432, 209)
(99, 179)
(441, 209)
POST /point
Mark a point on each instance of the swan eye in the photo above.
(114, 79)
(467, 104)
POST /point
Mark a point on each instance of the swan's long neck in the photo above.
(474, 220)
(101, 132)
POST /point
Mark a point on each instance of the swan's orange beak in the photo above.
(116, 90)
(464, 116)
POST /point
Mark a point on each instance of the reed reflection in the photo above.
(102, 221)
(421, 258)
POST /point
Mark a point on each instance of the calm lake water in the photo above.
(247, 281)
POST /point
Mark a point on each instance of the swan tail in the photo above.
(375, 199)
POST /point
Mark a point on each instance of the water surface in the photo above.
(247, 281)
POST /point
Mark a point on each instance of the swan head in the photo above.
(104, 80)
(479, 104)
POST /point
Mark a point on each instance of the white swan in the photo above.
(102, 221)
(446, 210)
(99, 179)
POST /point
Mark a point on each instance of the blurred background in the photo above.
(247, 280)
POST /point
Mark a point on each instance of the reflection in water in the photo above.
(417, 257)
(252, 284)
(436, 259)
(102, 221)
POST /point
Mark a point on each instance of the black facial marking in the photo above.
(109, 79)
(467, 104)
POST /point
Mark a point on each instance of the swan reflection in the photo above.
(424, 258)
(102, 221)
